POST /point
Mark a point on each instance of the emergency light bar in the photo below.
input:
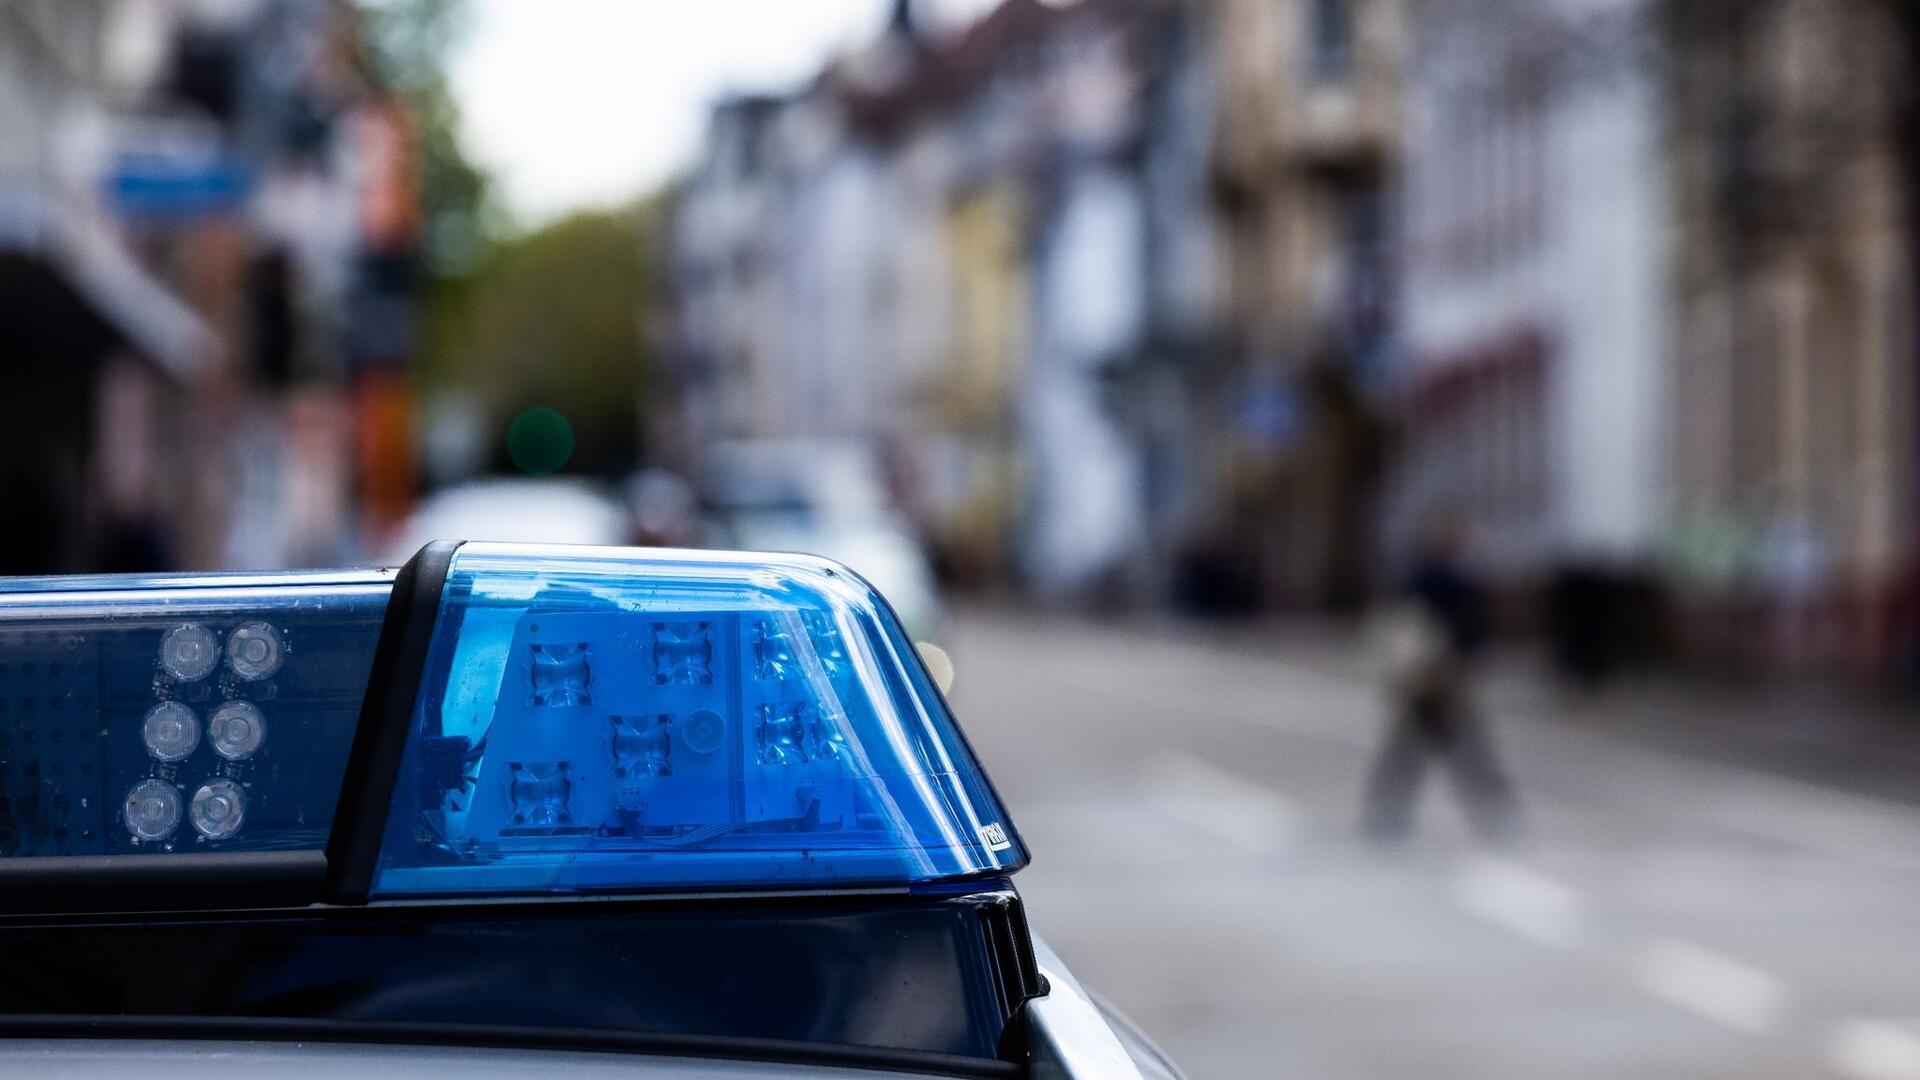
(494, 720)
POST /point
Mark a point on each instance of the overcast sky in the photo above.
(586, 102)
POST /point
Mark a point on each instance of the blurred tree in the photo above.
(551, 319)
(513, 320)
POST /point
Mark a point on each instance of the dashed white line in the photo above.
(1711, 984)
(1227, 808)
(1237, 812)
(1876, 1050)
(1521, 901)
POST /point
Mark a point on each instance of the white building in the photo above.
(1534, 303)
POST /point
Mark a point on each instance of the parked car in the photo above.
(826, 498)
(535, 510)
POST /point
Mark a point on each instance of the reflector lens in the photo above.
(253, 651)
(170, 731)
(218, 809)
(152, 810)
(236, 730)
(189, 652)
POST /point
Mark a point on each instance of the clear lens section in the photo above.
(116, 708)
(253, 651)
(236, 730)
(152, 811)
(616, 719)
(218, 809)
(188, 653)
(170, 731)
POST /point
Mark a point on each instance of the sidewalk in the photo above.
(1854, 739)
(1829, 733)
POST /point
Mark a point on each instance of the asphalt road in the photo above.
(1191, 801)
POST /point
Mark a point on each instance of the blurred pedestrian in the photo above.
(1432, 639)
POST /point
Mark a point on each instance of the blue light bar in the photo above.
(606, 720)
(180, 714)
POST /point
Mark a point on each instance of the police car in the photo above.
(507, 811)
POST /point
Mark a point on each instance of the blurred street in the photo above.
(1574, 337)
(1190, 796)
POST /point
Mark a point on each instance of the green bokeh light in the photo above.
(540, 441)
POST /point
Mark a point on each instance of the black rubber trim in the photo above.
(245, 1028)
(717, 905)
(127, 883)
(1032, 984)
(373, 765)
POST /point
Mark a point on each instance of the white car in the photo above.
(544, 510)
(826, 498)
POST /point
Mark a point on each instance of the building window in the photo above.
(1330, 39)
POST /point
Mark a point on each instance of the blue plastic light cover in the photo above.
(601, 720)
(168, 714)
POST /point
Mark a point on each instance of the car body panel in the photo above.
(1069, 1036)
(156, 1059)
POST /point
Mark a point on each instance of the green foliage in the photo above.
(548, 318)
(552, 319)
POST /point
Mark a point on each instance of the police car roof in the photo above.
(666, 804)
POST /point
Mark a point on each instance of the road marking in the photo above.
(1204, 797)
(1720, 988)
(1711, 984)
(1876, 1050)
(1521, 901)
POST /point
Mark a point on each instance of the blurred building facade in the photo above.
(967, 250)
(1534, 398)
(1794, 352)
(1119, 321)
(1535, 279)
(1304, 158)
(1658, 319)
(221, 198)
(1211, 301)
(94, 341)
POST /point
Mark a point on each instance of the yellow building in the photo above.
(973, 480)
